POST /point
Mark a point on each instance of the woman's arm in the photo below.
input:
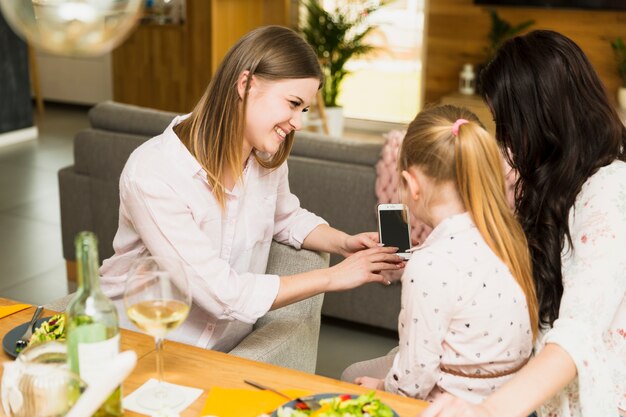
(328, 239)
(297, 227)
(544, 376)
(361, 268)
(168, 229)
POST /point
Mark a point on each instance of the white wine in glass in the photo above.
(157, 317)
(157, 300)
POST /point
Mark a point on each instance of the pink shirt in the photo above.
(168, 209)
(460, 309)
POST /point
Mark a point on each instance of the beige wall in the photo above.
(457, 33)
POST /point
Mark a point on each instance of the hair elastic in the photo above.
(457, 124)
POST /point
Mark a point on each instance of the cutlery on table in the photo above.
(309, 400)
(22, 342)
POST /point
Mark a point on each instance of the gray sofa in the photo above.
(333, 177)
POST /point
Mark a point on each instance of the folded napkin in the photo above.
(241, 402)
(187, 394)
(8, 310)
(110, 378)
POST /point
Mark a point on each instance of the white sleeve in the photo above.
(292, 223)
(164, 222)
(594, 284)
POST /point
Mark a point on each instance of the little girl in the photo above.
(468, 310)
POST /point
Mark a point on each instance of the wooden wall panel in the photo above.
(150, 68)
(200, 45)
(168, 67)
(457, 33)
(234, 18)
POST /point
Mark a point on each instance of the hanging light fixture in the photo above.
(72, 27)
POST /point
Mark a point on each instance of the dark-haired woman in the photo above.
(568, 145)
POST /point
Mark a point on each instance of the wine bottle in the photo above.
(93, 335)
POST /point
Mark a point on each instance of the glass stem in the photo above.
(159, 360)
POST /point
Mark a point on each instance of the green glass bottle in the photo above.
(93, 334)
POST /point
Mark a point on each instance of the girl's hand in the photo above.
(369, 382)
(353, 244)
(393, 276)
(363, 267)
(447, 405)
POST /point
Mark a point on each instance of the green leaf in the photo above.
(619, 49)
(501, 31)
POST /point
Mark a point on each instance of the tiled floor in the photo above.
(31, 263)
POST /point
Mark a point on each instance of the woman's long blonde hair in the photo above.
(473, 162)
(214, 131)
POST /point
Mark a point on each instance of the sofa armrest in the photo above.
(290, 342)
(288, 336)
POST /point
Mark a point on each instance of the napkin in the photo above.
(188, 394)
(8, 310)
(99, 390)
(241, 402)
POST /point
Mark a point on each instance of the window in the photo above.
(386, 85)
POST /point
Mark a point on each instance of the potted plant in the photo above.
(501, 31)
(620, 55)
(337, 37)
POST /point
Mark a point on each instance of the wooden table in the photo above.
(202, 368)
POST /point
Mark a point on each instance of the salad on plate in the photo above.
(339, 406)
(53, 329)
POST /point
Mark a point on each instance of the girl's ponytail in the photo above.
(480, 181)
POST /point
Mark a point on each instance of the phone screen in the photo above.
(394, 230)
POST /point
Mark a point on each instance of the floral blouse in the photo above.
(461, 312)
(592, 319)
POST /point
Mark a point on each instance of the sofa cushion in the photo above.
(126, 118)
(102, 154)
(317, 146)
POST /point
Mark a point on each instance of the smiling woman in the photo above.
(274, 110)
(213, 191)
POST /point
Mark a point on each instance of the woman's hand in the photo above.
(353, 244)
(448, 405)
(363, 267)
(369, 382)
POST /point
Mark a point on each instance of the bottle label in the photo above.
(93, 357)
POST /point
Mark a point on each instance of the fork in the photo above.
(309, 400)
(22, 342)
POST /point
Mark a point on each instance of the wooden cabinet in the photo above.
(168, 67)
(475, 104)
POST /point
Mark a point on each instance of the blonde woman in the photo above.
(468, 311)
(213, 191)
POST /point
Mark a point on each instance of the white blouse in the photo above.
(592, 320)
(167, 208)
(460, 309)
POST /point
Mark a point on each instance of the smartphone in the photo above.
(394, 229)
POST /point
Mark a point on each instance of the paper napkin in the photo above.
(241, 402)
(8, 310)
(98, 391)
(188, 394)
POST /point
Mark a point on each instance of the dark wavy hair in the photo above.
(553, 115)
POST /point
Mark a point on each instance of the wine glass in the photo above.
(40, 383)
(157, 299)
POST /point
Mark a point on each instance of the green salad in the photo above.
(341, 406)
(53, 329)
